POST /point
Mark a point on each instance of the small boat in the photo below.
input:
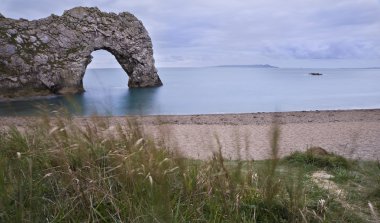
(315, 74)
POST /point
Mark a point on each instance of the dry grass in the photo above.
(59, 171)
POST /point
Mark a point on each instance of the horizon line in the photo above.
(246, 66)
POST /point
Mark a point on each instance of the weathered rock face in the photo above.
(50, 55)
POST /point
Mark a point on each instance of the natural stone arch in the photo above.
(51, 55)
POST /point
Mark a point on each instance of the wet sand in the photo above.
(351, 133)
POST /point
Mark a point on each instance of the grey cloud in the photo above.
(199, 32)
(324, 50)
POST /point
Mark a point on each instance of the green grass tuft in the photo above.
(329, 161)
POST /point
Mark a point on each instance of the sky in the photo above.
(284, 33)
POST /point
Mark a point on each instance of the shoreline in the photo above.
(351, 133)
(206, 116)
(266, 117)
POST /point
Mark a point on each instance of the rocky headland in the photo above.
(50, 55)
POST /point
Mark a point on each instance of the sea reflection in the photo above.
(141, 101)
(106, 93)
(119, 102)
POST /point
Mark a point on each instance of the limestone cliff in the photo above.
(50, 55)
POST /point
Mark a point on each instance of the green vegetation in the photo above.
(315, 161)
(60, 171)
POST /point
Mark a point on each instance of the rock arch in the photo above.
(50, 55)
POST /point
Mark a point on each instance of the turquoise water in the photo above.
(215, 90)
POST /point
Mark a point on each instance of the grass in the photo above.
(315, 161)
(61, 171)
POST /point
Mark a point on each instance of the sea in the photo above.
(212, 90)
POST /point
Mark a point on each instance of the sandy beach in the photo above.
(351, 133)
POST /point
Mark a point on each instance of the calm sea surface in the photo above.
(215, 90)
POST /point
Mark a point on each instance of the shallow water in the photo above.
(215, 90)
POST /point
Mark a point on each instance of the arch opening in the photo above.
(104, 73)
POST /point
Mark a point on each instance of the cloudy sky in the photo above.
(285, 33)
